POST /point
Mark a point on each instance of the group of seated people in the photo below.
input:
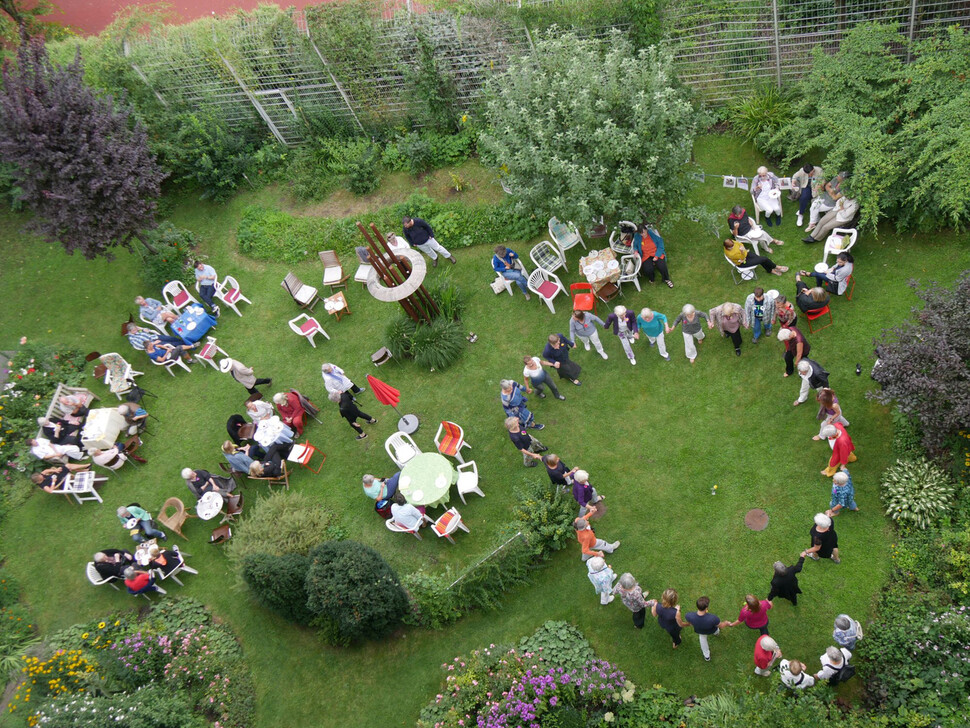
(390, 502)
(121, 564)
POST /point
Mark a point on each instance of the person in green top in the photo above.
(653, 325)
(143, 529)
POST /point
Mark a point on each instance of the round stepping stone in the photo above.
(756, 519)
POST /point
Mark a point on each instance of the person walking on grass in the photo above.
(582, 326)
(524, 442)
(784, 583)
(843, 494)
(754, 614)
(795, 675)
(706, 624)
(559, 473)
(556, 355)
(420, 235)
(585, 494)
(533, 374)
(602, 578)
(765, 653)
(624, 323)
(653, 325)
(843, 451)
(847, 631)
(350, 411)
(692, 328)
(634, 598)
(667, 613)
(514, 403)
(591, 545)
(825, 541)
(759, 309)
(729, 318)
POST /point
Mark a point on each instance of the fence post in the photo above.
(912, 30)
(774, 22)
(333, 78)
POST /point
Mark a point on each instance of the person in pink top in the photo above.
(754, 614)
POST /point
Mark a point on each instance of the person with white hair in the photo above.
(383, 488)
(151, 309)
(624, 323)
(766, 190)
(813, 376)
(582, 326)
(825, 541)
(139, 523)
(585, 494)
(690, 322)
(533, 375)
(602, 578)
(843, 450)
(590, 545)
(200, 482)
(634, 598)
(136, 417)
(765, 653)
(112, 458)
(794, 674)
(259, 410)
(843, 494)
(784, 582)
(835, 665)
(407, 516)
(335, 380)
(847, 631)
(653, 325)
(729, 318)
(291, 410)
(514, 403)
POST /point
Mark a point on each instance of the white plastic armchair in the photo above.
(228, 292)
(546, 285)
(615, 243)
(177, 296)
(565, 235)
(634, 276)
(396, 527)
(841, 240)
(401, 448)
(548, 257)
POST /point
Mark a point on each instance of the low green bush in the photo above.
(917, 492)
(558, 643)
(415, 154)
(432, 603)
(363, 169)
(399, 336)
(279, 584)
(760, 113)
(170, 262)
(439, 344)
(152, 706)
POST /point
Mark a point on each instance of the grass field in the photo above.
(655, 438)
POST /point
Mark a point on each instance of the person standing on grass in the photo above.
(843, 494)
(785, 312)
(206, 279)
(825, 541)
(690, 322)
(754, 614)
(556, 355)
(335, 380)
(534, 374)
(784, 583)
(843, 451)
(244, 375)
(634, 598)
(591, 545)
(514, 403)
(829, 410)
(624, 323)
(796, 347)
(420, 235)
(526, 443)
(813, 376)
(759, 309)
(705, 624)
(835, 665)
(559, 473)
(668, 615)
(350, 411)
(847, 631)
(585, 494)
(729, 318)
(794, 673)
(765, 653)
(582, 326)
(602, 578)
(653, 325)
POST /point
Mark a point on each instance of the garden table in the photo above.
(426, 479)
(600, 267)
(142, 557)
(271, 431)
(102, 428)
(193, 324)
(336, 305)
(209, 505)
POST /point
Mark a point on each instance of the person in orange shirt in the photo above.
(591, 545)
(648, 243)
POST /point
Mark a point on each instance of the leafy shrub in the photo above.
(431, 83)
(415, 154)
(140, 658)
(363, 170)
(432, 603)
(279, 584)
(760, 113)
(544, 514)
(916, 492)
(399, 336)
(487, 581)
(439, 344)
(308, 173)
(559, 644)
(152, 706)
(750, 704)
(278, 524)
(354, 585)
(907, 438)
(449, 297)
(650, 707)
(16, 635)
(9, 588)
(173, 246)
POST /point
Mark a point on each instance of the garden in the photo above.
(503, 627)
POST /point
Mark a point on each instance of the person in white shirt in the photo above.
(766, 190)
(794, 675)
(205, 279)
(839, 216)
(833, 662)
(406, 516)
(336, 381)
(43, 449)
(259, 410)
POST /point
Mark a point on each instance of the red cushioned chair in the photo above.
(450, 440)
(582, 301)
(815, 315)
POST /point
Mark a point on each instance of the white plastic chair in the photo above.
(615, 245)
(468, 480)
(758, 210)
(171, 364)
(208, 352)
(95, 578)
(548, 257)
(396, 527)
(546, 285)
(181, 567)
(308, 327)
(177, 296)
(453, 440)
(633, 277)
(565, 235)
(365, 267)
(748, 272)
(836, 242)
(449, 522)
(160, 328)
(228, 292)
(401, 448)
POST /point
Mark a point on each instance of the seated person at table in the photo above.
(650, 246)
(407, 516)
(43, 449)
(59, 431)
(258, 410)
(153, 310)
(136, 418)
(138, 581)
(272, 464)
(166, 561)
(139, 337)
(112, 459)
(201, 482)
(237, 456)
(290, 410)
(743, 226)
(162, 353)
(50, 479)
(810, 299)
(381, 489)
(138, 521)
(111, 563)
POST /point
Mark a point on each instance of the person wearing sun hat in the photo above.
(243, 374)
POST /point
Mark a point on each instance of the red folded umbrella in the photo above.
(384, 392)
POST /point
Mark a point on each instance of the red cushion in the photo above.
(206, 351)
(584, 302)
(441, 525)
(451, 439)
(231, 295)
(548, 289)
(309, 326)
(180, 298)
(812, 315)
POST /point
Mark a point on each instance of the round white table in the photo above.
(209, 505)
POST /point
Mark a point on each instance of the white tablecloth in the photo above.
(101, 429)
(209, 506)
(272, 430)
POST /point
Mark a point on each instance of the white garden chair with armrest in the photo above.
(177, 296)
(546, 285)
(616, 244)
(449, 522)
(181, 567)
(95, 578)
(208, 352)
(747, 273)
(548, 257)
(468, 480)
(396, 527)
(758, 210)
(160, 328)
(401, 448)
(307, 327)
(565, 235)
(171, 364)
(633, 276)
(228, 292)
(840, 241)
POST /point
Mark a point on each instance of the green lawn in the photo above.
(655, 439)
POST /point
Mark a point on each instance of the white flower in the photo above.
(608, 717)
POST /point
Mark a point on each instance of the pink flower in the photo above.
(23, 340)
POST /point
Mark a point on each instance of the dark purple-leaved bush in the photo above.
(82, 162)
(924, 364)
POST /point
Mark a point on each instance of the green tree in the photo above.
(584, 127)
(278, 583)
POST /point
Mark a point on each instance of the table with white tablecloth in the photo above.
(102, 428)
(272, 430)
(600, 267)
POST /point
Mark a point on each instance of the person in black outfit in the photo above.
(232, 427)
(272, 465)
(111, 563)
(784, 583)
(810, 299)
(50, 479)
(559, 473)
(201, 482)
(350, 411)
(668, 616)
(419, 234)
(526, 443)
(59, 431)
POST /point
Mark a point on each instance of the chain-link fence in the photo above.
(361, 65)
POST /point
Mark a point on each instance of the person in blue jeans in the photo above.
(143, 529)
(205, 277)
(760, 310)
(504, 263)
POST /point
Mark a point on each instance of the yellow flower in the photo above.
(84, 636)
(101, 625)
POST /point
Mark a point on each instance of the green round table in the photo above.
(426, 479)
